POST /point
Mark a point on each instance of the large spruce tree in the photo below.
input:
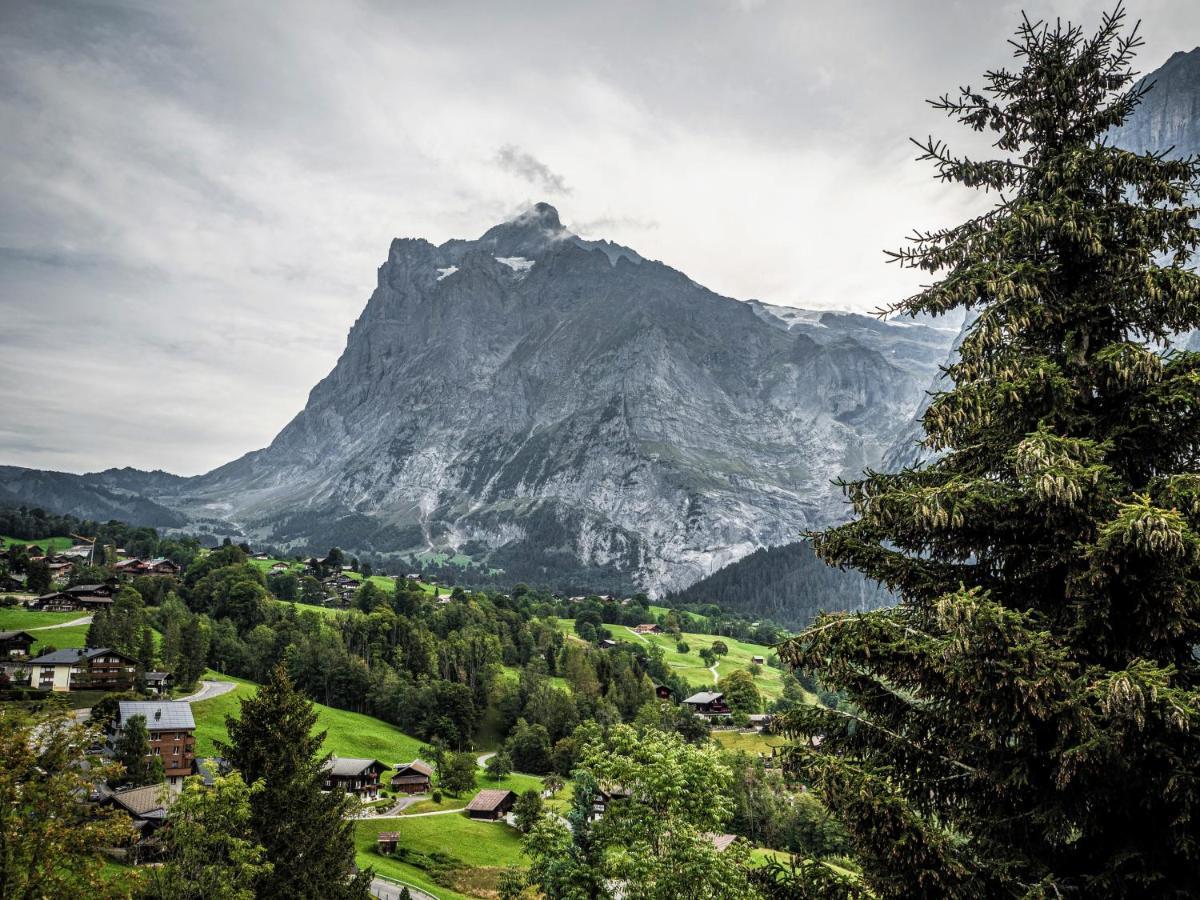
(1025, 722)
(304, 830)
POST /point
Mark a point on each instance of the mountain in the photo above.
(1168, 119)
(566, 409)
(88, 496)
(787, 585)
(570, 412)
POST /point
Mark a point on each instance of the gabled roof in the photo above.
(488, 800)
(417, 765)
(9, 635)
(160, 715)
(149, 802)
(704, 697)
(74, 655)
(349, 766)
(722, 841)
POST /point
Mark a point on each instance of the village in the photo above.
(388, 788)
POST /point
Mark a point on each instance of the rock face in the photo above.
(549, 405)
(1169, 116)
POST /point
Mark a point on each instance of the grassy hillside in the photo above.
(50, 543)
(450, 856)
(690, 666)
(347, 733)
(30, 619)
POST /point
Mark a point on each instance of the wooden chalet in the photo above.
(708, 703)
(607, 644)
(662, 692)
(648, 628)
(16, 644)
(158, 682)
(604, 798)
(759, 660)
(161, 566)
(414, 777)
(492, 804)
(90, 597)
(386, 842)
(91, 669)
(354, 776)
(722, 842)
(172, 733)
(148, 806)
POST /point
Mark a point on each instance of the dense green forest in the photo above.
(788, 585)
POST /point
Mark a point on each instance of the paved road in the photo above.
(390, 890)
(436, 812)
(208, 690)
(484, 758)
(85, 620)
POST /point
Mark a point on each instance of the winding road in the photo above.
(208, 690)
(84, 620)
(386, 889)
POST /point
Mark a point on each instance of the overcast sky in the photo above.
(194, 197)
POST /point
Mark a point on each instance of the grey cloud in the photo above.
(525, 165)
(196, 194)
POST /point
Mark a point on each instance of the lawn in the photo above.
(60, 638)
(449, 856)
(749, 742)
(347, 733)
(689, 665)
(50, 543)
(17, 619)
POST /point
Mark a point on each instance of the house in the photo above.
(209, 768)
(354, 775)
(148, 806)
(90, 597)
(707, 703)
(132, 566)
(160, 566)
(60, 569)
(649, 628)
(760, 720)
(604, 798)
(172, 733)
(15, 644)
(280, 567)
(759, 660)
(413, 777)
(491, 804)
(386, 842)
(158, 682)
(11, 581)
(662, 692)
(607, 644)
(722, 841)
(93, 669)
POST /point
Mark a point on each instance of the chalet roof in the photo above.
(350, 766)
(722, 841)
(160, 715)
(157, 676)
(488, 800)
(9, 635)
(85, 588)
(73, 655)
(387, 837)
(417, 765)
(124, 563)
(704, 697)
(209, 767)
(149, 802)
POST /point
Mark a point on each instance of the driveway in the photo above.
(84, 620)
(390, 890)
(208, 690)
